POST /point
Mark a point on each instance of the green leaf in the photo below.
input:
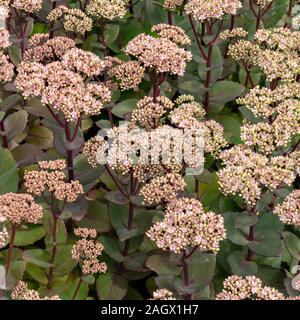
(9, 102)
(292, 243)
(234, 234)
(111, 32)
(97, 217)
(15, 273)
(36, 273)
(38, 257)
(41, 137)
(63, 261)
(28, 235)
(240, 266)
(161, 264)
(61, 232)
(224, 91)
(124, 107)
(116, 196)
(216, 66)
(129, 30)
(136, 261)
(111, 247)
(191, 86)
(205, 262)
(15, 123)
(8, 172)
(26, 154)
(267, 243)
(111, 286)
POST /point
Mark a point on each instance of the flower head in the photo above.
(160, 53)
(186, 224)
(20, 207)
(21, 292)
(51, 178)
(206, 9)
(107, 9)
(87, 250)
(289, 210)
(73, 19)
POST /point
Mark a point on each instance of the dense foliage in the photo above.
(76, 223)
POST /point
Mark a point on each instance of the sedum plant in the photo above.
(149, 150)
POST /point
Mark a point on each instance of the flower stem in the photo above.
(11, 245)
(70, 160)
(51, 34)
(54, 249)
(251, 237)
(130, 215)
(77, 288)
(4, 137)
(186, 276)
(170, 18)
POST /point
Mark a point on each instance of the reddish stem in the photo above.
(170, 18)
(4, 137)
(208, 80)
(186, 277)
(54, 249)
(51, 34)
(251, 237)
(70, 160)
(11, 245)
(197, 38)
(130, 215)
(77, 288)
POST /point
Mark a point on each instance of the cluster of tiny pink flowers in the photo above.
(51, 178)
(263, 3)
(86, 251)
(83, 62)
(163, 294)
(6, 68)
(289, 210)
(173, 33)
(162, 54)
(45, 50)
(73, 19)
(214, 137)
(214, 9)
(91, 149)
(278, 38)
(261, 101)
(148, 113)
(188, 112)
(129, 74)
(245, 51)
(186, 224)
(171, 5)
(249, 288)
(234, 33)
(276, 64)
(61, 87)
(107, 9)
(162, 189)
(275, 52)
(4, 38)
(189, 115)
(22, 292)
(246, 172)
(242, 167)
(4, 236)
(20, 207)
(28, 5)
